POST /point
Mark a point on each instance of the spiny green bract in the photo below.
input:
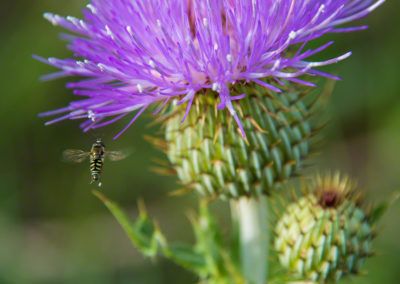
(325, 234)
(211, 156)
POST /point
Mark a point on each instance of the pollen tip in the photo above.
(152, 64)
(47, 15)
(292, 34)
(140, 88)
(91, 8)
(51, 18)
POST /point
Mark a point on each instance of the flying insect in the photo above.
(96, 156)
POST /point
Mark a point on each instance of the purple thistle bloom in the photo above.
(136, 53)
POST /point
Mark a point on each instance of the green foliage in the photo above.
(220, 264)
(376, 214)
(208, 258)
(148, 239)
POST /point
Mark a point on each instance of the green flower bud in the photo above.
(325, 234)
(210, 154)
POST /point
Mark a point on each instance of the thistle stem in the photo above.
(251, 216)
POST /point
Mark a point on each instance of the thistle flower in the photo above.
(134, 54)
(326, 234)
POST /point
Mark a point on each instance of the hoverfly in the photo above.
(96, 156)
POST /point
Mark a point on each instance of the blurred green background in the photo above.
(53, 230)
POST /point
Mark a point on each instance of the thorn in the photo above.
(142, 206)
(202, 119)
(317, 129)
(215, 108)
(209, 199)
(327, 92)
(161, 162)
(244, 138)
(272, 114)
(181, 191)
(164, 119)
(256, 125)
(290, 163)
(164, 171)
(276, 143)
(159, 120)
(157, 142)
(101, 196)
(270, 164)
(217, 133)
(197, 104)
(229, 122)
(216, 162)
(240, 110)
(261, 104)
(280, 104)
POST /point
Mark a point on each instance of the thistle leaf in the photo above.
(222, 267)
(377, 213)
(148, 239)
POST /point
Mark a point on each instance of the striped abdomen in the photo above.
(96, 166)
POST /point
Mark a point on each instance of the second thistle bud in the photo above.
(325, 234)
(210, 154)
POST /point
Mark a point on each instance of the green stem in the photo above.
(251, 216)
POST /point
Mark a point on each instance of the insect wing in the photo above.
(115, 155)
(74, 155)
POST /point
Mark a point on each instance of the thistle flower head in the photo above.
(326, 234)
(330, 191)
(133, 54)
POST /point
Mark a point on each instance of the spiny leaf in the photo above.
(187, 257)
(148, 239)
(379, 210)
(141, 233)
(209, 258)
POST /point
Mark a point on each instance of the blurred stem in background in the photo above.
(251, 217)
